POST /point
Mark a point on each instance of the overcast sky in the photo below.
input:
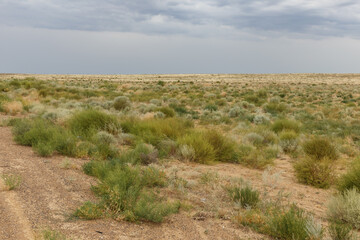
(179, 36)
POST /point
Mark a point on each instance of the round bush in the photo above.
(285, 124)
(319, 148)
(288, 141)
(315, 173)
(121, 102)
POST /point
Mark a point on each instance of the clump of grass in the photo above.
(89, 211)
(319, 148)
(275, 108)
(209, 177)
(254, 157)
(225, 148)
(169, 112)
(44, 136)
(143, 153)
(285, 124)
(187, 152)
(315, 173)
(288, 141)
(152, 176)
(104, 146)
(88, 122)
(254, 138)
(345, 208)
(204, 151)
(121, 103)
(153, 131)
(351, 179)
(244, 196)
(125, 191)
(289, 224)
(12, 181)
(340, 231)
(49, 234)
(151, 208)
(13, 107)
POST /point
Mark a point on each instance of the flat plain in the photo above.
(205, 156)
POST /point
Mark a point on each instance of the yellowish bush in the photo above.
(13, 107)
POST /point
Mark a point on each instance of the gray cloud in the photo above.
(29, 50)
(304, 18)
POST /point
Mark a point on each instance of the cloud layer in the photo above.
(203, 18)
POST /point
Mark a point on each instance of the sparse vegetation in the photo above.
(49, 234)
(320, 148)
(351, 179)
(339, 231)
(345, 208)
(12, 181)
(145, 142)
(314, 172)
(245, 196)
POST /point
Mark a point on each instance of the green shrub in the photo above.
(244, 151)
(290, 224)
(44, 149)
(204, 151)
(345, 208)
(45, 137)
(169, 112)
(351, 179)
(153, 131)
(53, 235)
(104, 151)
(151, 208)
(288, 141)
(152, 176)
(319, 148)
(89, 211)
(275, 108)
(143, 153)
(65, 143)
(315, 173)
(340, 231)
(88, 122)
(269, 137)
(12, 181)
(125, 191)
(236, 112)
(255, 139)
(167, 148)
(187, 152)
(211, 107)
(119, 188)
(245, 196)
(103, 137)
(84, 149)
(256, 158)
(225, 148)
(179, 109)
(121, 103)
(285, 124)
